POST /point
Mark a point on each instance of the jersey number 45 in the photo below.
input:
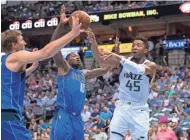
(133, 85)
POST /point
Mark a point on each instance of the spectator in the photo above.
(33, 126)
(174, 77)
(89, 124)
(111, 106)
(100, 135)
(166, 102)
(95, 113)
(185, 93)
(156, 102)
(174, 102)
(153, 132)
(169, 91)
(178, 72)
(42, 125)
(27, 100)
(161, 82)
(30, 115)
(176, 128)
(50, 102)
(105, 114)
(164, 132)
(85, 115)
(186, 108)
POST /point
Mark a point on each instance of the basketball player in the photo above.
(13, 74)
(67, 123)
(131, 111)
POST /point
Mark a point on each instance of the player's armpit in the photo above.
(61, 63)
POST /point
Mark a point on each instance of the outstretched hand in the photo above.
(91, 37)
(76, 26)
(106, 56)
(63, 18)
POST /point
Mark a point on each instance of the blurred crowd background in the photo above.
(44, 9)
(169, 95)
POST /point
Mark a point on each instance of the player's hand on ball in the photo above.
(63, 18)
(76, 26)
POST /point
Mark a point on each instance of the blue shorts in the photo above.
(66, 126)
(14, 130)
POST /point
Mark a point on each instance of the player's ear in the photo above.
(14, 45)
(146, 51)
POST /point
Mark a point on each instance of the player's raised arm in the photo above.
(17, 59)
(147, 68)
(90, 74)
(94, 45)
(61, 63)
(96, 53)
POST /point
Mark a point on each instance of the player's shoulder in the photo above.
(14, 56)
(151, 64)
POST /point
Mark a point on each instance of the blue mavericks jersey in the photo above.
(71, 91)
(12, 88)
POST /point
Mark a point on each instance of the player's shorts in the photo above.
(67, 126)
(12, 128)
(130, 116)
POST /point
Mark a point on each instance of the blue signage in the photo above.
(174, 44)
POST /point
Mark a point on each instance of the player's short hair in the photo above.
(144, 40)
(7, 38)
(68, 55)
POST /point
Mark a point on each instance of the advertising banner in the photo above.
(155, 11)
(42, 23)
(174, 44)
(124, 47)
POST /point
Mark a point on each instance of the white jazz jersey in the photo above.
(133, 87)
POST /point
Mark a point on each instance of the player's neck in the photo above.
(13, 51)
(139, 60)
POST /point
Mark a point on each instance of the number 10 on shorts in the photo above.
(133, 85)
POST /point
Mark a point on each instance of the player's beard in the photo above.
(76, 66)
(139, 60)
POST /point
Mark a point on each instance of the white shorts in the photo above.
(130, 116)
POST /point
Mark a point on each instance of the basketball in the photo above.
(84, 18)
